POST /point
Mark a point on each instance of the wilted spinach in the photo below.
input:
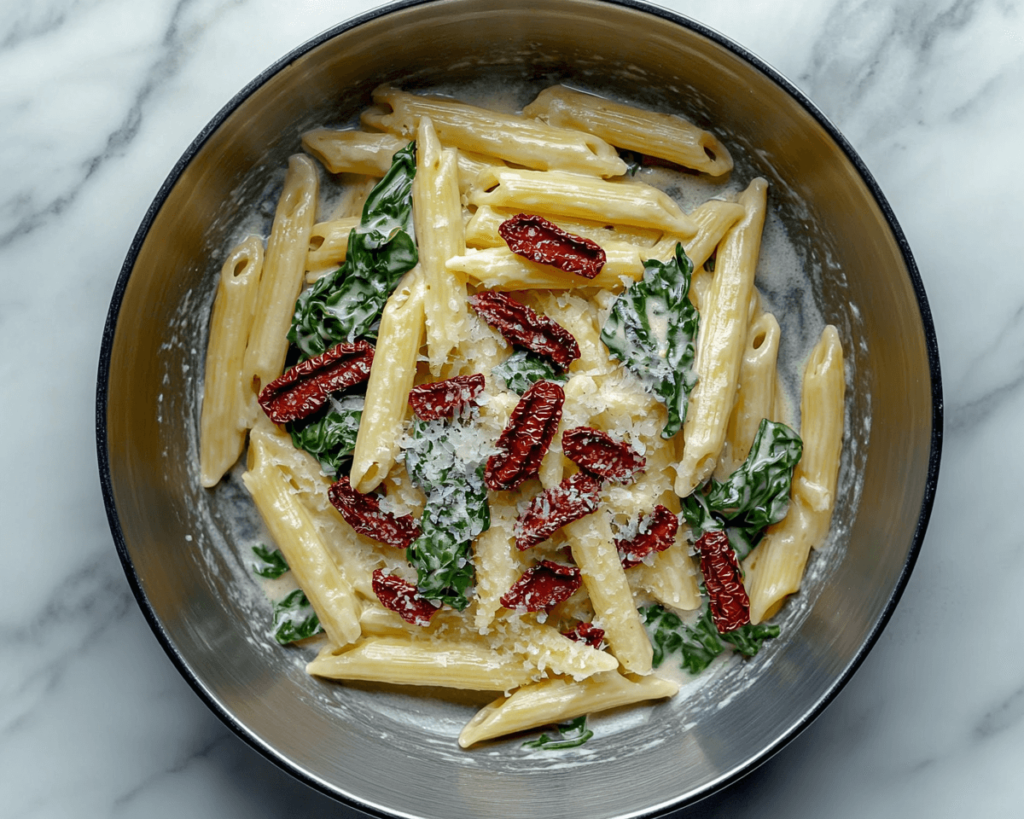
(571, 734)
(652, 329)
(346, 305)
(456, 510)
(523, 369)
(294, 619)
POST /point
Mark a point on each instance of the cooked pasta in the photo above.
(527, 394)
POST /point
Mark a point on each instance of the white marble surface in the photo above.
(98, 98)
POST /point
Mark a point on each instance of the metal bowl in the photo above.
(391, 751)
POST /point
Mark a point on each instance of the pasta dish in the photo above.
(512, 415)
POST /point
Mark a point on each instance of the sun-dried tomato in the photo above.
(525, 327)
(402, 598)
(442, 398)
(542, 586)
(730, 606)
(537, 239)
(305, 388)
(526, 438)
(586, 633)
(574, 498)
(600, 454)
(363, 513)
(656, 534)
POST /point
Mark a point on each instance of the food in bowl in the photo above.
(540, 494)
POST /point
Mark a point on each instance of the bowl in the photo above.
(391, 751)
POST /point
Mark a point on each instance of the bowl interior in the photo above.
(394, 751)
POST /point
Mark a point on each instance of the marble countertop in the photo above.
(98, 100)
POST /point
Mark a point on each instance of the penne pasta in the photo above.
(723, 330)
(593, 549)
(556, 700)
(776, 567)
(352, 151)
(755, 396)
(508, 137)
(438, 217)
(283, 267)
(328, 245)
(391, 377)
(578, 196)
(482, 230)
(408, 661)
(228, 408)
(327, 589)
(497, 268)
(655, 134)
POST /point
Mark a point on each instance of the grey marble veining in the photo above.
(99, 98)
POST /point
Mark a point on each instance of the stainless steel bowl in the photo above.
(394, 752)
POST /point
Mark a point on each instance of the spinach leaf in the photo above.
(571, 734)
(652, 329)
(446, 460)
(756, 495)
(294, 619)
(330, 437)
(747, 640)
(523, 369)
(697, 514)
(346, 305)
(700, 643)
(271, 563)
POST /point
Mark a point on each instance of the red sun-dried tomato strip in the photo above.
(542, 586)
(363, 513)
(655, 535)
(586, 633)
(600, 454)
(526, 437)
(305, 388)
(574, 498)
(537, 239)
(525, 327)
(402, 598)
(730, 606)
(442, 398)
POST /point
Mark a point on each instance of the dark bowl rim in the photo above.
(110, 326)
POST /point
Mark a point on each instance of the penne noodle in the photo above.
(391, 378)
(755, 397)
(723, 331)
(228, 409)
(482, 230)
(283, 267)
(497, 566)
(659, 135)
(578, 196)
(471, 165)
(437, 209)
(325, 586)
(822, 405)
(557, 700)
(408, 661)
(353, 151)
(776, 567)
(497, 268)
(508, 137)
(328, 245)
(593, 549)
